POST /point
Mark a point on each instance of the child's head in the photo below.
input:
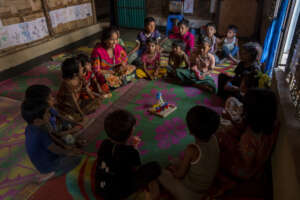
(71, 68)
(210, 29)
(231, 31)
(260, 110)
(178, 46)
(119, 125)
(36, 113)
(85, 62)
(204, 46)
(249, 54)
(39, 93)
(183, 26)
(117, 30)
(151, 45)
(249, 80)
(202, 122)
(149, 24)
(109, 37)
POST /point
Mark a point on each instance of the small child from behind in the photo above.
(119, 172)
(151, 62)
(62, 128)
(68, 99)
(230, 47)
(191, 177)
(48, 158)
(178, 58)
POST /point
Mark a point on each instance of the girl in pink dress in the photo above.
(151, 63)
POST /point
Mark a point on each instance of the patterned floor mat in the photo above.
(162, 138)
(16, 169)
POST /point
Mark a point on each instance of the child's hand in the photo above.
(135, 141)
(171, 168)
(194, 68)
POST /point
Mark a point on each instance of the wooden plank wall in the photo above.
(18, 12)
(241, 13)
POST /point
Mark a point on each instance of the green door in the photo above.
(131, 13)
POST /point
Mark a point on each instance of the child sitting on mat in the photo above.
(230, 86)
(64, 129)
(202, 63)
(89, 79)
(191, 177)
(149, 32)
(48, 158)
(151, 63)
(210, 35)
(230, 47)
(69, 103)
(119, 172)
(184, 35)
(178, 58)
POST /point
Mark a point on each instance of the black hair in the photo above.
(202, 122)
(203, 40)
(107, 33)
(148, 20)
(173, 20)
(69, 68)
(83, 59)
(252, 52)
(151, 40)
(232, 27)
(31, 110)
(184, 22)
(212, 25)
(179, 43)
(37, 93)
(260, 110)
(118, 125)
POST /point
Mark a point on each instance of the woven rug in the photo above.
(16, 169)
(158, 142)
(162, 138)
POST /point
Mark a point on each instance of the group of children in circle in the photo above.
(53, 134)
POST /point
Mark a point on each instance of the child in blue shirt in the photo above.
(48, 158)
(63, 128)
